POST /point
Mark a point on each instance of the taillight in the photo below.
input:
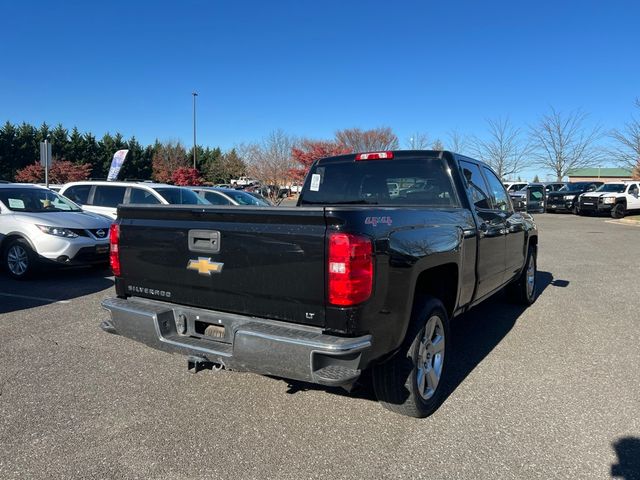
(114, 248)
(374, 156)
(350, 269)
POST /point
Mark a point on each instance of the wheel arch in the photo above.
(9, 237)
(441, 282)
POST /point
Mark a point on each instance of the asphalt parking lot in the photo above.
(550, 392)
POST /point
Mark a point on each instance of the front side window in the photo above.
(108, 196)
(245, 198)
(216, 199)
(476, 186)
(497, 191)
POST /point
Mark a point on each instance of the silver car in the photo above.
(38, 226)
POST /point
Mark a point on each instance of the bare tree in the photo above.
(418, 141)
(504, 149)
(457, 142)
(627, 149)
(562, 142)
(357, 140)
(269, 160)
(437, 145)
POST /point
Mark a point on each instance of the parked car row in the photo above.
(580, 198)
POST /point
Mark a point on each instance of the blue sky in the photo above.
(311, 68)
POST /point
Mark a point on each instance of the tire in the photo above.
(408, 383)
(576, 210)
(524, 290)
(618, 210)
(19, 259)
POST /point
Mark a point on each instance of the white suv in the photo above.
(614, 197)
(104, 197)
(39, 226)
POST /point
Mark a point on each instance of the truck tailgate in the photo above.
(269, 262)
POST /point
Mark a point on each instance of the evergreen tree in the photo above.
(7, 137)
(76, 147)
(59, 138)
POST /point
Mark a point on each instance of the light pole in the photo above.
(195, 94)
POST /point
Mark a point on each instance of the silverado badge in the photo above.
(204, 266)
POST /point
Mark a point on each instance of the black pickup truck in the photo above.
(381, 251)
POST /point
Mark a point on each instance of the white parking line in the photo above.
(39, 299)
(631, 223)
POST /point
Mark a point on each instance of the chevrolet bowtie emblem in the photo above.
(204, 266)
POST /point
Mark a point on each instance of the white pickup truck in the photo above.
(616, 198)
(243, 181)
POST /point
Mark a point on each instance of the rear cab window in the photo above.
(401, 181)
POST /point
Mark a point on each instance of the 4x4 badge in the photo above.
(204, 266)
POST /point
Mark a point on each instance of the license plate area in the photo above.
(206, 327)
(210, 330)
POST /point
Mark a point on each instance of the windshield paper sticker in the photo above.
(315, 182)
(376, 220)
(16, 203)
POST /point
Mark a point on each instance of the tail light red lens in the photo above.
(350, 269)
(114, 248)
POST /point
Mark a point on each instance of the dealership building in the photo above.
(601, 174)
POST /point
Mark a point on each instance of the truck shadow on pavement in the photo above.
(474, 335)
(628, 466)
(51, 286)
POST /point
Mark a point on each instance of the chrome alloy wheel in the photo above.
(430, 358)
(17, 260)
(531, 276)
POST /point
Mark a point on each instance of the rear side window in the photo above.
(497, 191)
(420, 181)
(180, 196)
(142, 196)
(107, 196)
(476, 186)
(78, 194)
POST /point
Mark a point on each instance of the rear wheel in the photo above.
(411, 382)
(524, 289)
(618, 210)
(19, 259)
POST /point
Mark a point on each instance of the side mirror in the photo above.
(591, 189)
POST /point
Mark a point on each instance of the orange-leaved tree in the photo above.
(61, 171)
(311, 150)
(186, 176)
